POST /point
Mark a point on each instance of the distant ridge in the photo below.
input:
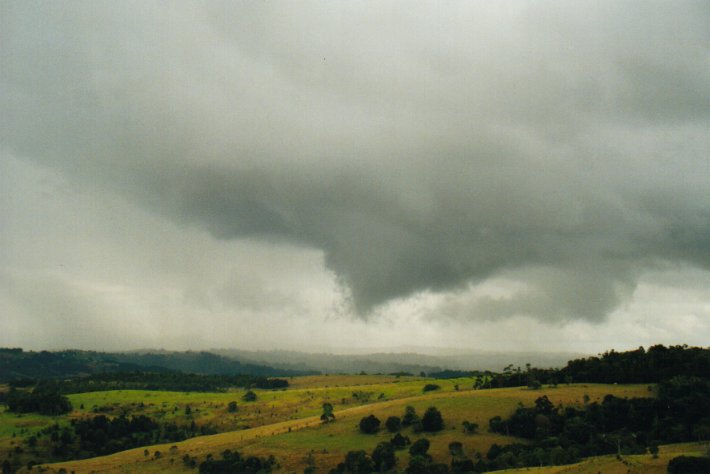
(16, 363)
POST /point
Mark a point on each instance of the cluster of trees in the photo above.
(656, 364)
(617, 425)
(44, 399)
(171, 381)
(101, 435)
(384, 459)
(432, 421)
(233, 461)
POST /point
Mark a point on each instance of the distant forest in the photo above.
(211, 372)
(657, 364)
(16, 364)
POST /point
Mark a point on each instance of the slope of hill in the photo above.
(291, 440)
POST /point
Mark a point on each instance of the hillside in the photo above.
(289, 441)
(19, 364)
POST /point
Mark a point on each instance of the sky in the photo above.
(513, 176)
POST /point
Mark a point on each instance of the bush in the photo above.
(419, 447)
(383, 457)
(355, 462)
(430, 387)
(249, 396)
(232, 407)
(369, 424)
(432, 420)
(469, 428)
(410, 416)
(393, 424)
(399, 441)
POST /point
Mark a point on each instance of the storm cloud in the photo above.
(423, 148)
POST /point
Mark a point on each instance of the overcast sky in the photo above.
(353, 175)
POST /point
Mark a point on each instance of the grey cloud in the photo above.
(419, 147)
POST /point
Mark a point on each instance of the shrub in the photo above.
(399, 441)
(383, 456)
(249, 396)
(430, 387)
(370, 424)
(410, 416)
(419, 447)
(393, 424)
(432, 420)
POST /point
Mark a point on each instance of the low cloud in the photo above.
(418, 148)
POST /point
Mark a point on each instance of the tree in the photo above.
(419, 447)
(232, 407)
(370, 424)
(383, 456)
(410, 416)
(327, 415)
(432, 420)
(249, 396)
(358, 462)
(393, 424)
(430, 387)
(469, 428)
(399, 441)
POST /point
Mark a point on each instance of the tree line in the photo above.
(169, 381)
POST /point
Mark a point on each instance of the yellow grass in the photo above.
(330, 442)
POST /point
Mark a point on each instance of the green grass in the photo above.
(330, 442)
(22, 424)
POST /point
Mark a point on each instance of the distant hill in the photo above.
(19, 364)
(385, 363)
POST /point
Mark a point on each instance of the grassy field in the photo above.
(287, 425)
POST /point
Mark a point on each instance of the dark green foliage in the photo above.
(249, 396)
(399, 441)
(327, 415)
(393, 424)
(100, 435)
(45, 399)
(410, 416)
(233, 462)
(617, 425)
(356, 462)
(430, 387)
(232, 407)
(469, 428)
(172, 381)
(419, 447)
(270, 384)
(689, 465)
(383, 457)
(432, 420)
(656, 364)
(451, 374)
(369, 424)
